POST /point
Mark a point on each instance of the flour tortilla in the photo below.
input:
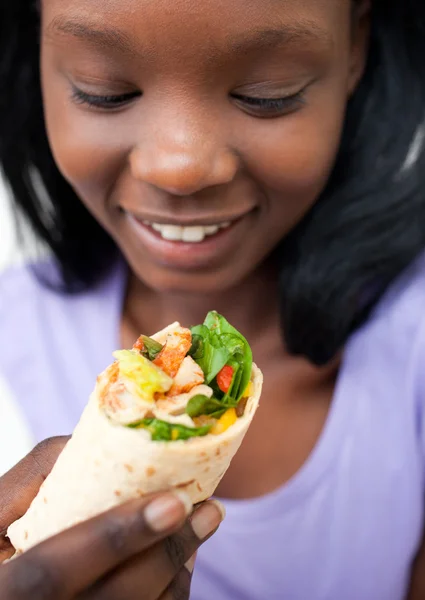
(105, 464)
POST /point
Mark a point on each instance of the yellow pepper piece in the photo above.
(249, 390)
(227, 420)
(174, 435)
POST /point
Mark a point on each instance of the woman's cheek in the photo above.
(297, 158)
(85, 149)
(90, 149)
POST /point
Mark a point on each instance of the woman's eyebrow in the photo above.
(287, 34)
(298, 33)
(104, 37)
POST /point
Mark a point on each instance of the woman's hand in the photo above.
(20, 486)
(138, 550)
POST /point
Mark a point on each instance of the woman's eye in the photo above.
(270, 107)
(105, 102)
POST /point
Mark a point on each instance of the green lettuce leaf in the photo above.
(202, 405)
(210, 354)
(217, 344)
(161, 431)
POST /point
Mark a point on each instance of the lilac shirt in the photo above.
(346, 526)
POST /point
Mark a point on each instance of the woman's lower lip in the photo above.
(184, 255)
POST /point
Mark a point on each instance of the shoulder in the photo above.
(26, 284)
(403, 306)
(388, 352)
(31, 305)
(21, 297)
(399, 318)
(54, 344)
(20, 288)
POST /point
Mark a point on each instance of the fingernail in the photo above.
(220, 507)
(207, 518)
(190, 565)
(168, 511)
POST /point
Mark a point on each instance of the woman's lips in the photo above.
(180, 254)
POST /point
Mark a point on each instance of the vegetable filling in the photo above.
(181, 383)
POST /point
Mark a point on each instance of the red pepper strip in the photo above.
(224, 378)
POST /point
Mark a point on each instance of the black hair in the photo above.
(368, 225)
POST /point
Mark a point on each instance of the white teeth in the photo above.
(193, 235)
(173, 233)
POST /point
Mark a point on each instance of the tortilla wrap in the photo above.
(105, 464)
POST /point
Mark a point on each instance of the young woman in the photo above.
(264, 159)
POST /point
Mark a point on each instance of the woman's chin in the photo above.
(200, 283)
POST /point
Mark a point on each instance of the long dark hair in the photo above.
(364, 230)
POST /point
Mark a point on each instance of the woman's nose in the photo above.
(183, 165)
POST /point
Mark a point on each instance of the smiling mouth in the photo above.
(189, 244)
(194, 234)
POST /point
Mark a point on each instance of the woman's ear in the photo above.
(361, 27)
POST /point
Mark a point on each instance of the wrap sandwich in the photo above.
(170, 412)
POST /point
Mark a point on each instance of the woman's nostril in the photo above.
(225, 168)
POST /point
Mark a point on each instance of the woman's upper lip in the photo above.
(187, 221)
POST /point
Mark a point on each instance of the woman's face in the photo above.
(198, 133)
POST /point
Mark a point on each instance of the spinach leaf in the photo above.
(202, 405)
(216, 344)
(161, 431)
(212, 355)
(238, 349)
(197, 349)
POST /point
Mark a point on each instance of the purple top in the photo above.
(347, 525)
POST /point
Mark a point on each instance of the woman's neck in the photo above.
(252, 307)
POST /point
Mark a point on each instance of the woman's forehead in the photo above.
(237, 24)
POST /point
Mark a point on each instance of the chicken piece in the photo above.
(162, 335)
(176, 405)
(118, 403)
(139, 345)
(188, 376)
(122, 407)
(177, 342)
